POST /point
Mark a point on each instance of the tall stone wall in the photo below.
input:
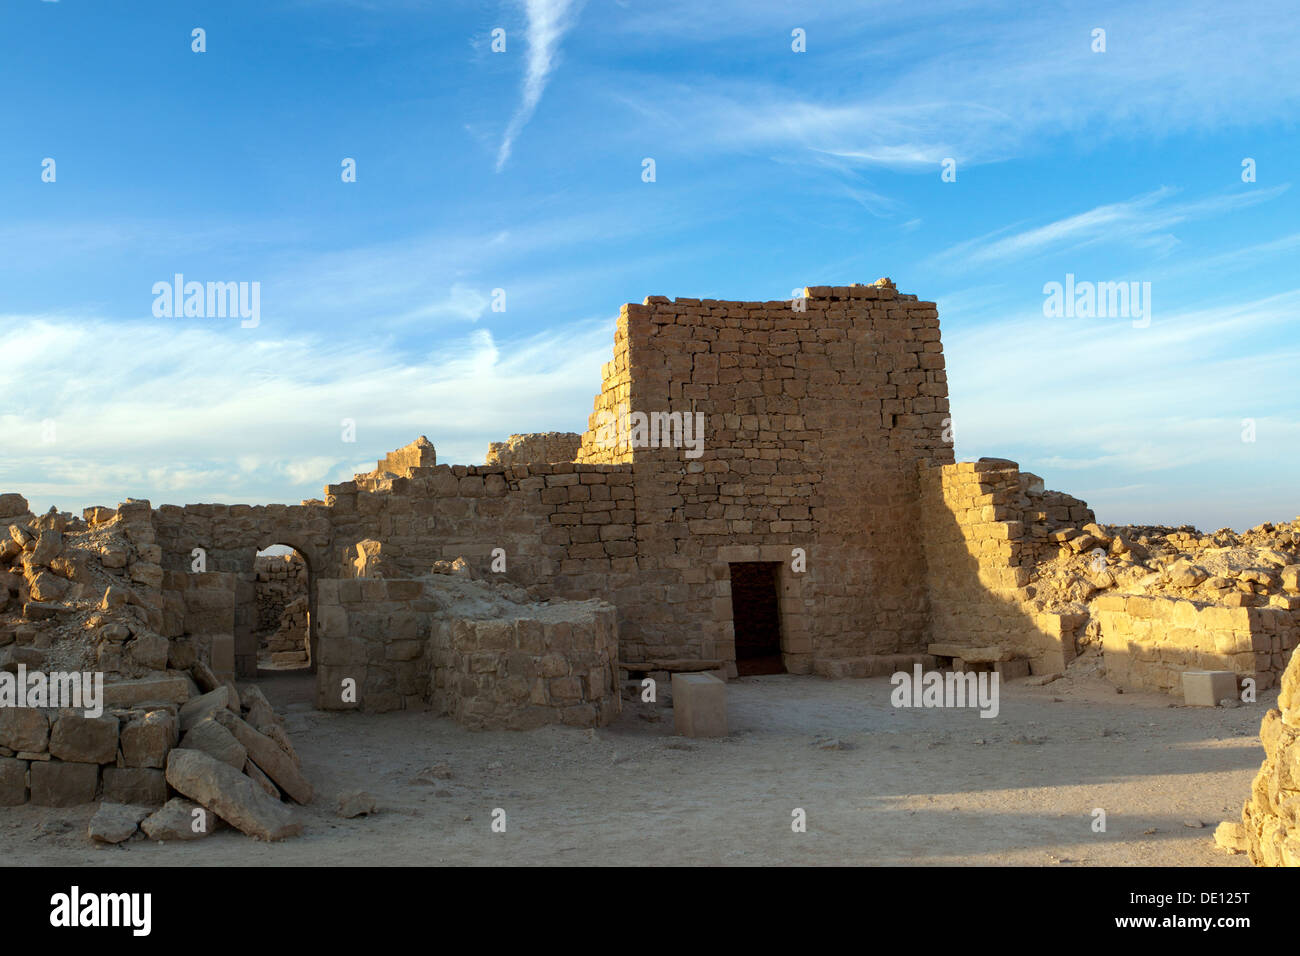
(814, 421)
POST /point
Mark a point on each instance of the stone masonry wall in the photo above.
(815, 418)
(542, 448)
(1148, 640)
(982, 523)
(402, 651)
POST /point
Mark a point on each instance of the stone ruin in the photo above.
(282, 618)
(783, 467)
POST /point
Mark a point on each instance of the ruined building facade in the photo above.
(803, 445)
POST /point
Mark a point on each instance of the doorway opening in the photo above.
(283, 628)
(755, 611)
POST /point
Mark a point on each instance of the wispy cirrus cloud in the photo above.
(548, 21)
(1141, 221)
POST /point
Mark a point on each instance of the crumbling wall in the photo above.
(981, 526)
(541, 448)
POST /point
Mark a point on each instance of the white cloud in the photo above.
(1141, 221)
(163, 411)
(548, 21)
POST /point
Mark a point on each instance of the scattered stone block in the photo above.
(231, 795)
(180, 819)
(215, 741)
(268, 756)
(699, 705)
(116, 822)
(205, 706)
(1207, 688)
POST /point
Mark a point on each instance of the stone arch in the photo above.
(314, 560)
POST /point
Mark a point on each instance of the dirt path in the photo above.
(907, 787)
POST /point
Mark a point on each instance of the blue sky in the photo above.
(522, 171)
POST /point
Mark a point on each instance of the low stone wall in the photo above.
(540, 448)
(386, 644)
(62, 758)
(1148, 641)
(557, 667)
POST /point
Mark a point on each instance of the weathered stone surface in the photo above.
(116, 822)
(148, 690)
(143, 786)
(205, 706)
(180, 819)
(24, 728)
(79, 739)
(146, 739)
(260, 712)
(13, 782)
(231, 795)
(699, 705)
(58, 784)
(262, 780)
(216, 741)
(273, 761)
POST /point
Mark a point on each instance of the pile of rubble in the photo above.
(162, 748)
(170, 749)
(83, 593)
(1257, 568)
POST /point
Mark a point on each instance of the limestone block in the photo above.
(59, 784)
(141, 786)
(24, 728)
(13, 782)
(81, 739)
(231, 795)
(699, 705)
(1207, 688)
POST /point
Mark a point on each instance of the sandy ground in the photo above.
(905, 787)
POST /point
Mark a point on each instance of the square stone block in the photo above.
(699, 705)
(58, 784)
(1207, 688)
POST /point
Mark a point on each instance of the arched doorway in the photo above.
(282, 626)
